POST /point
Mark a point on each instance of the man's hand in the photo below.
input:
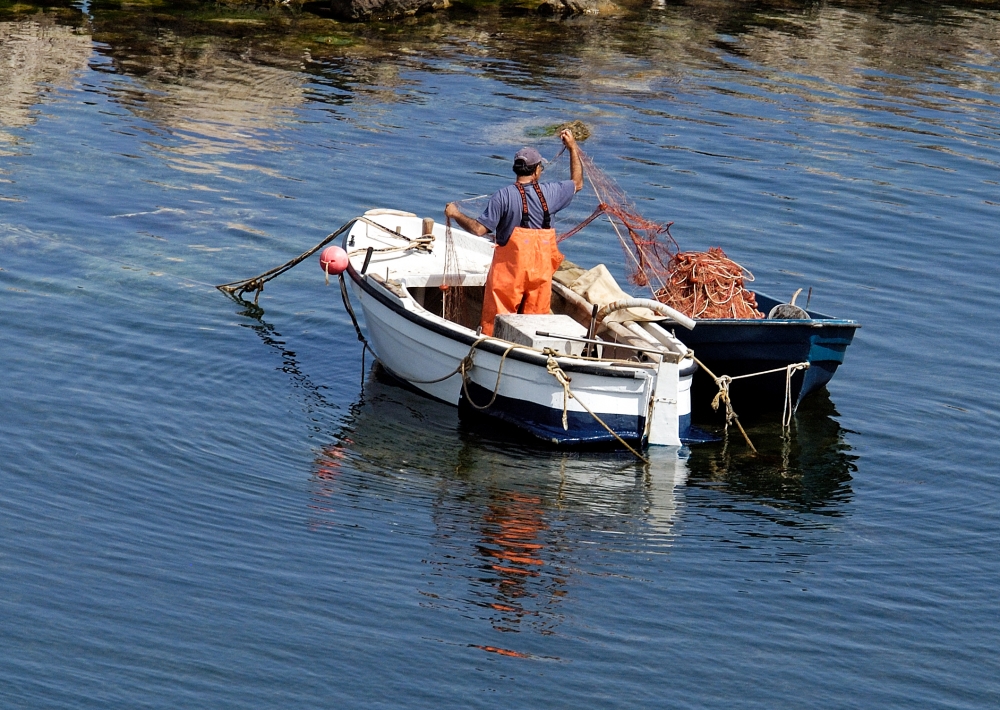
(568, 140)
(451, 210)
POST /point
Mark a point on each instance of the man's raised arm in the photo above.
(575, 165)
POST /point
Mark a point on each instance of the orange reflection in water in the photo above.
(502, 651)
(327, 471)
(511, 544)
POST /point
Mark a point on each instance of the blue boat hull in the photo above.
(741, 347)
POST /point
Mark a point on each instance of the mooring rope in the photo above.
(722, 397)
(458, 369)
(467, 363)
(552, 367)
(350, 311)
(256, 283)
(236, 289)
(471, 364)
(788, 408)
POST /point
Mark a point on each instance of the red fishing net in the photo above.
(708, 285)
(698, 284)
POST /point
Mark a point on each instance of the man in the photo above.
(526, 255)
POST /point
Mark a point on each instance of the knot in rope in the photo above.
(552, 367)
(722, 396)
(468, 362)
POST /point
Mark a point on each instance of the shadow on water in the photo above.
(314, 395)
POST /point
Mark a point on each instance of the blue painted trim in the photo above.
(545, 423)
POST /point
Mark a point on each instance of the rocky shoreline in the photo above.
(361, 10)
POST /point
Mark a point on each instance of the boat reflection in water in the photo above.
(515, 527)
(511, 525)
(807, 469)
(511, 521)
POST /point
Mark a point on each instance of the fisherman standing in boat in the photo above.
(526, 255)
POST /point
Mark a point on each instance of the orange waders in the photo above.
(520, 279)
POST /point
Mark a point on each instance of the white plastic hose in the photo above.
(655, 306)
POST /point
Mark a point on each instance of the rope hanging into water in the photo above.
(788, 408)
(350, 311)
(552, 367)
(723, 397)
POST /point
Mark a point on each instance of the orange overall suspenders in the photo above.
(520, 279)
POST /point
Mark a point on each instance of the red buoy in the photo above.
(333, 260)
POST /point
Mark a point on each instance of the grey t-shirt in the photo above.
(503, 211)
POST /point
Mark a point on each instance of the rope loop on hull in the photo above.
(722, 397)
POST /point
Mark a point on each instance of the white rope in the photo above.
(788, 409)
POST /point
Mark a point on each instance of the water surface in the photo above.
(210, 505)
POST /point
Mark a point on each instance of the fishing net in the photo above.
(698, 284)
(452, 299)
(708, 284)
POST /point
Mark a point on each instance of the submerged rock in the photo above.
(383, 9)
(577, 7)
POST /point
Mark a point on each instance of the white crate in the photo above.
(522, 328)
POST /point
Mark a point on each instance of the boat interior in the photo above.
(629, 341)
(417, 273)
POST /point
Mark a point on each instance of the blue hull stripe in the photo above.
(545, 423)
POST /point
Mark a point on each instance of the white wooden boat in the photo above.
(634, 387)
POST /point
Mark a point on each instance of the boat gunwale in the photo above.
(617, 368)
(781, 322)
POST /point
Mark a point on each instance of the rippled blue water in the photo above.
(202, 508)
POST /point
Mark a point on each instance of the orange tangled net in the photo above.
(708, 285)
(698, 284)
